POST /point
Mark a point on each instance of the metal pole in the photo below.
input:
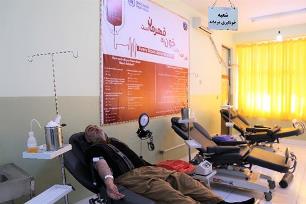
(189, 149)
(63, 173)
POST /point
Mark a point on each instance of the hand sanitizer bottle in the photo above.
(32, 143)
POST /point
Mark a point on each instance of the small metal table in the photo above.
(50, 155)
(14, 183)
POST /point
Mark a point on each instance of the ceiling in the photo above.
(254, 8)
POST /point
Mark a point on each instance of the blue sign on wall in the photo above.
(222, 18)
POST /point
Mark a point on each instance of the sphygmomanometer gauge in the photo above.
(143, 120)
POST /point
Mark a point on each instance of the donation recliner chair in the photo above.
(236, 154)
(75, 162)
(258, 133)
(233, 154)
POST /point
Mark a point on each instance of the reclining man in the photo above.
(159, 184)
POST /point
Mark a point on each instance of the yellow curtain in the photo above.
(272, 79)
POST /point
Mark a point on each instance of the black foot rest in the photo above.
(268, 160)
(287, 132)
(259, 137)
(263, 136)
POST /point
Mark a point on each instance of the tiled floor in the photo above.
(295, 193)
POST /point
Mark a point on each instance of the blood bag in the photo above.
(114, 12)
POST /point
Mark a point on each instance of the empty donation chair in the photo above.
(234, 153)
(76, 163)
(223, 156)
(259, 133)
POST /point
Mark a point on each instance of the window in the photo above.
(272, 79)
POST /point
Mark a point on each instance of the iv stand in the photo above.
(52, 54)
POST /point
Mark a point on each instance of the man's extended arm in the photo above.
(111, 189)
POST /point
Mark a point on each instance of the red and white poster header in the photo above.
(143, 30)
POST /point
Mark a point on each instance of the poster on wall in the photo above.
(144, 60)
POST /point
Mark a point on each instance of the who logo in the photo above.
(131, 3)
(185, 26)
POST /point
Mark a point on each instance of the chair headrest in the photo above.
(77, 164)
(78, 139)
(176, 126)
(235, 117)
(174, 120)
(233, 113)
(182, 126)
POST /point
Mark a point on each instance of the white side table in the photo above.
(50, 155)
(205, 178)
(193, 144)
(51, 195)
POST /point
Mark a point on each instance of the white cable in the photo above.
(34, 120)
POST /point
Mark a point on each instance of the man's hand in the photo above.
(112, 190)
(104, 172)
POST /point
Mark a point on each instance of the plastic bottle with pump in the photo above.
(31, 142)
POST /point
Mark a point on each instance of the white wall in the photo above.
(59, 25)
(270, 34)
(42, 26)
(203, 59)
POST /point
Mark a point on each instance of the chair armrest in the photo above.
(257, 129)
(261, 126)
(131, 197)
(223, 149)
(230, 143)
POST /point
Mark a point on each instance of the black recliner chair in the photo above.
(258, 133)
(236, 154)
(75, 162)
